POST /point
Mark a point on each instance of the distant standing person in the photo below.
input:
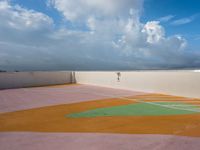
(118, 76)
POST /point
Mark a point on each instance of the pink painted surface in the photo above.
(27, 98)
(84, 141)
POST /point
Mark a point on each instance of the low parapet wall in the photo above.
(181, 83)
(31, 79)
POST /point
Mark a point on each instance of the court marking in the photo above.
(134, 109)
(141, 101)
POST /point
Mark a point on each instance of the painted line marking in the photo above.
(141, 100)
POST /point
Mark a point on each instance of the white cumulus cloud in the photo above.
(20, 18)
(155, 32)
(81, 9)
(115, 39)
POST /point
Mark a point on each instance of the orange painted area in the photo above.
(61, 85)
(160, 96)
(53, 119)
(165, 98)
(22, 120)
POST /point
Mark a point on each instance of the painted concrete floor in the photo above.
(85, 117)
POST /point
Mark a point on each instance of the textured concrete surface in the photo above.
(84, 141)
(27, 98)
(53, 119)
(35, 119)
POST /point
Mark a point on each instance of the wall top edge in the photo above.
(197, 71)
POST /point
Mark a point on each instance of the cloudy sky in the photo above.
(99, 34)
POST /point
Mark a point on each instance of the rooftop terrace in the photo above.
(100, 110)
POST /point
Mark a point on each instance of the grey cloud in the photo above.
(114, 43)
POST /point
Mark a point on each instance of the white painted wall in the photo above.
(30, 79)
(181, 83)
